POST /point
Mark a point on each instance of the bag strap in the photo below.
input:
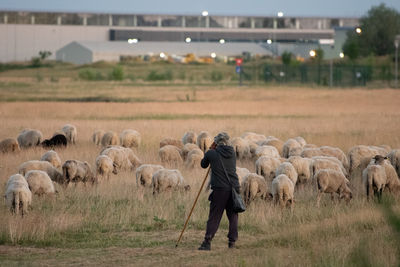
(223, 166)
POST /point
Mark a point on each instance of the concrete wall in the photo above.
(22, 42)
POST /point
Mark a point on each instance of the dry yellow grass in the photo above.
(110, 224)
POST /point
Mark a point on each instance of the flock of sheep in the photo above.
(281, 166)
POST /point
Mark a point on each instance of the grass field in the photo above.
(112, 224)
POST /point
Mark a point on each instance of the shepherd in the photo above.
(222, 159)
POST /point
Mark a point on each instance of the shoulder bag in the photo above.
(237, 200)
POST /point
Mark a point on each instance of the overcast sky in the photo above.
(345, 8)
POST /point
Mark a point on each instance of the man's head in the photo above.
(222, 139)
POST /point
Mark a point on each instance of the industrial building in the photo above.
(24, 34)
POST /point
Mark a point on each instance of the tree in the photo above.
(378, 30)
(286, 58)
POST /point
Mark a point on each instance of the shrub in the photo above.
(216, 76)
(90, 75)
(117, 74)
(154, 76)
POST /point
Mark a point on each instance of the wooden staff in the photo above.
(194, 204)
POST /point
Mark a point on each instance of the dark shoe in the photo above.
(231, 245)
(205, 246)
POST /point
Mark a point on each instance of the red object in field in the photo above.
(239, 61)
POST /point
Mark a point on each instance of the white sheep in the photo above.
(170, 155)
(189, 137)
(253, 148)
(337, 153)
(311, 152)
(241, 147)
(253, 137)
(254, 186)
(133, 159)
(167, 179)
(374, 180)
(45, 166)
(332, 181)
(275, 142)
(110, 138)
(302, 167)
(322, 162)
(394, 157)
(287, 169)
(130, 138)
(40, 183)
(104, 167)
(77, 171)
(17, 195)
(360, 156)
(123, 158)
(300, 140)
(9, 145)
(186, 149)
(70, 133)
(171, 141)
(52, 157)
(204, 141)
(144, 174)
(266, 166)
(241, 173)
(97, 136)
(194, 158)
(29, 138)
(268, 151)
(290, 145)
(282, 190)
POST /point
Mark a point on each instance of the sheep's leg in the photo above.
(319, 198)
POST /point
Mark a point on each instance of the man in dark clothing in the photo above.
(221, 155)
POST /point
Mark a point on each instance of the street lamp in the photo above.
(341, 55)
(358, 30)
(221, 41)
(188, 39)
(280, 14)
(313, 53)
(204, 13)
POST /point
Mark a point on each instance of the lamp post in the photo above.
(396, 60)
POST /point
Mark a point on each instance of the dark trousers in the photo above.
(220, 201)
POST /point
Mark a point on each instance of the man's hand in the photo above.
(213, 145)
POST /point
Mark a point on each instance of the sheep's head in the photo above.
(379, 159)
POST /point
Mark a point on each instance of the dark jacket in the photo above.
(219, 181)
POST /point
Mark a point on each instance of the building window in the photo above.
(46, 18)
(147, 21)
(71, 19)
(171, 21)
(267, 23)
(18, 18)
(244, 22)
(195, 22)
(102, 19)
(217, 22)
(123, 20)
(334, 23)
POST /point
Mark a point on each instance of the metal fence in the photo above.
(338, 75)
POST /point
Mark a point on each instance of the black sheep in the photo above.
(56, 141)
